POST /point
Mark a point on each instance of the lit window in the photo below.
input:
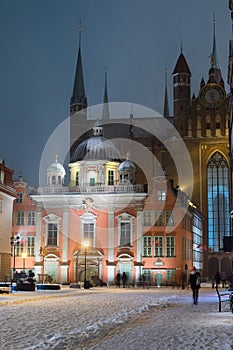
(20, 218)
(170, 246)
(159, 218)
(88, 233)
(110, 177)
(19, 198)
(125, 233)
(161, 195)
(147, 218)
(77, 178)
(147, 246)
(218, 201)
(159, 246)
(170, 219)
(31, 218)
(30, 245)
(52, 234)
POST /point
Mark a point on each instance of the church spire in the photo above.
(166, 104)
(214, 57)
(78, 100)
(106, 105)
(215, 74)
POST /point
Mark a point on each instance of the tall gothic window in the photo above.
(218, 201)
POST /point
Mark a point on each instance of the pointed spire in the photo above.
(215, 74)
(106, 113)
(166, 104)
(78, 100)
(181, 64)
(214, 58)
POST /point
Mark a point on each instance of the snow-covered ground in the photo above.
(112, 318)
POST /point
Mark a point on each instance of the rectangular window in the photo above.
(31, 218)
(92, 181)
(30, 246)
(19, 198)
(147, 276)
(147, 218)
(20, 218)
(161, 195)
(125, 233)
(88, 233)
(170, 246)
(147, 246)
(184, 257)
(159, 246)
(77, 179)
(1, 205)
(170, 219)
(52, 234)
(171, 276)
(111, 177)
(159, 218)
(19, 249)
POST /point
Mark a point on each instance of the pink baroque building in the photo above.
(104, 223)
(7, 196)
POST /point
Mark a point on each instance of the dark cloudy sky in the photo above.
(134, 38)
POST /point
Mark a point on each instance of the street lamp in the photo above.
(14, 241)
(86, 283)
(24, 255)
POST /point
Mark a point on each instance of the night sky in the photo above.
(134, 38)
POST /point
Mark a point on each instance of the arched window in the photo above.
(218, 201)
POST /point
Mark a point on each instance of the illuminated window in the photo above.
(19, 198)
(147, 218)
(77, 178)
(30, 246)
(161, 195)
(31, 218)
(159, 246)
(52, 234)
(218, 201)
(20, 218)
(147, 243)
(125, 233)
(170, 247)
(110, 177)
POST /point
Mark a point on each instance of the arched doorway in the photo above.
(51, 263)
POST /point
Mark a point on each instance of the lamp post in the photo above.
(24, 255)
(86, 283)
(14, 241)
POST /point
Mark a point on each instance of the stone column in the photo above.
(65, 265)
(38, 238)
(111, 242)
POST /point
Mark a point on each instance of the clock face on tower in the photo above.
(212, 95)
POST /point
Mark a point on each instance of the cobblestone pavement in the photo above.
(111, 318)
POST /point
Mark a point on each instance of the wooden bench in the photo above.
(225, 296)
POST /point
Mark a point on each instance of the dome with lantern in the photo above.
(127, 171)
(96, 147)
(55, 173)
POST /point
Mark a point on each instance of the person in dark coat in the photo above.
(194, 280)
(118, 279)
(124, 279)
(217, 278)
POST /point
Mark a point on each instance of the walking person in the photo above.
(195, 283)
(124, 279)
(118, 279)
(217, 278)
